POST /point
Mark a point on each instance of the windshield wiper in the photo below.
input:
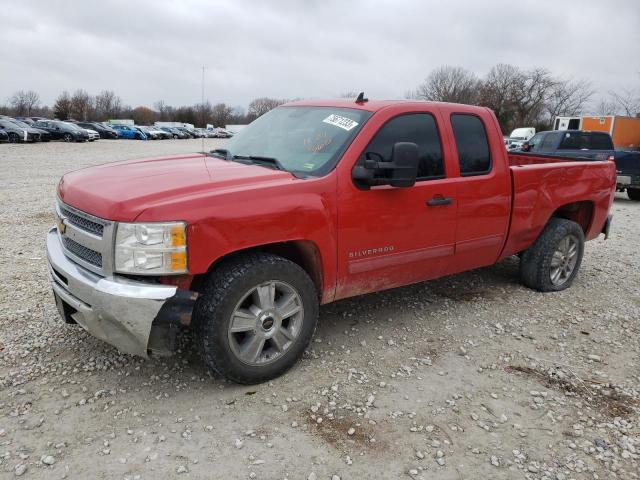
(221, 153)
(257, 159)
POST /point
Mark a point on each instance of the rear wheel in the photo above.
(553, 261)
(634, 194)
(14, 138)
(68, 137)
(255, 317)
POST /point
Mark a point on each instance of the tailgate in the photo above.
(627, 163)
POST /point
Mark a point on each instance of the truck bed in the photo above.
(543, 186)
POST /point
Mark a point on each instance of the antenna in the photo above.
(361, 98)
(202, 107)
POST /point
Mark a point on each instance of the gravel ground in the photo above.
(467, 377)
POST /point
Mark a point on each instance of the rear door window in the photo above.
(474, 155)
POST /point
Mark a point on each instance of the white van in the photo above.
(518, 137)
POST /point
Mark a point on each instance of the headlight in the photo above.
(151, 248)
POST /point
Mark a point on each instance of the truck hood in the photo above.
(121, 191)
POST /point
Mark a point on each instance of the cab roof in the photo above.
(374, 105)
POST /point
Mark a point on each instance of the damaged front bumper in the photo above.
(135, 317)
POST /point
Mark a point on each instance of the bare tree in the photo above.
(568, 98)
(62, 107)
(107, 105)
(349, 94)
(534, 88)
(81, 104)
(24, 102)
(162, 109)
(627, 101)
(449, 84)
(606, 106)
(499, 91)
(204, 112)
(221, 114)
(262, 105)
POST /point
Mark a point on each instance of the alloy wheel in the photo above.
(265, 323)
(564, 259)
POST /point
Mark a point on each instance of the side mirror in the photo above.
(400, 172)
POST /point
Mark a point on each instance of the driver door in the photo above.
(390, 236)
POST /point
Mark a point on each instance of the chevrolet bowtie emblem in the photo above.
(62, 227)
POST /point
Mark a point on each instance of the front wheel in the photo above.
(14, 138)
(553, 261)
(634, 194)
(68, 137)
(255, 317)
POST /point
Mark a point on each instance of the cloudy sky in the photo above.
(151, 50)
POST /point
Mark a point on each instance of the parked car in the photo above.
(161, 134)
(93, 134)
(16, 133)
(518, 137)
(248, 270)
(571, 143)
(175, 132)
(628, 170)
(103, 130)
(44, 135)
(26, 120)
(190, 133)
(595, 145)
(147, 132)
(60, 130)
(128, 131)
(222, 133)
(4, 136)
(154, 133)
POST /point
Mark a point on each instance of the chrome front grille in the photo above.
(91, 226)
(86, 254)
(87, 240)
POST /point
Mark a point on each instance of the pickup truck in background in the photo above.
(313, 202)
(590, 145)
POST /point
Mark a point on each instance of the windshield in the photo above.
(305, 140)
(21, 124)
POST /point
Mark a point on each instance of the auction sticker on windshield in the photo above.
(342, 122)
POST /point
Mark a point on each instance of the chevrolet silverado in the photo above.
(313, 202)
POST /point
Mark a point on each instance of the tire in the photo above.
(231, 292)
(175, 137)
(633, 194)
(550, 252)
(68, 137)
(14, 138)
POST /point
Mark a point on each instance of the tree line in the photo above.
(519, 97)
(80, 105)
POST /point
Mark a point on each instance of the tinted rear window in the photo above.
(586, 141)
(474, 155)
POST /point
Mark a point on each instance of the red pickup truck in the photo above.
(313, 202)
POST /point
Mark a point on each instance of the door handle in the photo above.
(439, 200)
